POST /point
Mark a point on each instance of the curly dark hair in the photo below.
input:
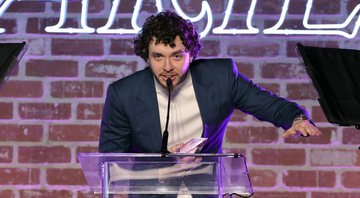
(165, 26)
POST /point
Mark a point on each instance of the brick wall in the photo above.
(51, 105)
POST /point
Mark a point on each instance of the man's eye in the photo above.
(178, 57)
(157, 56)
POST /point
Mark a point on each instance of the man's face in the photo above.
(166, 62)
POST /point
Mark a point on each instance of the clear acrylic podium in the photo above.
(181, 174)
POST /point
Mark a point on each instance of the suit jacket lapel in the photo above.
(147, 112)
(205, 95)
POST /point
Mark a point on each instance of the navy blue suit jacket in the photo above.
(131, 121)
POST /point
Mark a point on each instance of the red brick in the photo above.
(18, 7)
(29, 89)
(55, 68)
(335, 195)
(274, 194)
(272, 87)
(110, 69)
(283, 71)
(291, 46)
(324, 138)
(301, 91)
(76, 89)
(193, 8)
(262, 178)
(6, 154)
(128, 7)
(123, 22)
(318, 7)
(122, 46)
(46, 111)
(297, 7)
(318, 114)
(351, 4)
(326, 7)
(238, 116)
(28, 133)
(269, 7)
(19, 176)
(41, 193)
(77, 47)
(351, 136)
(76, 6)
(86, 149)
(334, 157)
(210, 48)
(300, 178)
(6, 194)
(70, 176)
(240, 7)
(245, 68)
(251, 135)
(89, 111)
(38, 25)
(44, 154)
(10, 26)
(6, 110)
(350, 179)
(74, 132)
(253, 49)
(284, 157)
(88, 194)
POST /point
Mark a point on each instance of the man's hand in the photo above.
(175, 148)
(301, 127)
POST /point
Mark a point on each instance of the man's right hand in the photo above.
(175, 148)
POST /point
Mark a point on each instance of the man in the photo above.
(204, 95)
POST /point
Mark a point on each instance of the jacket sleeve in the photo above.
(264, 105)
(115, 128)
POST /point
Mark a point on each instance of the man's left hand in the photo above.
(301, 127)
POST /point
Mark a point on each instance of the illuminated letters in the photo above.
(3, 7)
(105, 29)
(314, 29)
(205, 8)
(251, 30)
(63, 10)
(309, 29)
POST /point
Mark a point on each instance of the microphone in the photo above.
(164, 143)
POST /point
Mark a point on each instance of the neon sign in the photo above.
(206, 12)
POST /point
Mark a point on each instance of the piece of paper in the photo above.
(192, 145)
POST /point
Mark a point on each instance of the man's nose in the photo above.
(168, 66)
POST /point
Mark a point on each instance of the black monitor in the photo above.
(335, 74)
(10, 55)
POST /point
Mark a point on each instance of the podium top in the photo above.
(154, 173)
(120, 156)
